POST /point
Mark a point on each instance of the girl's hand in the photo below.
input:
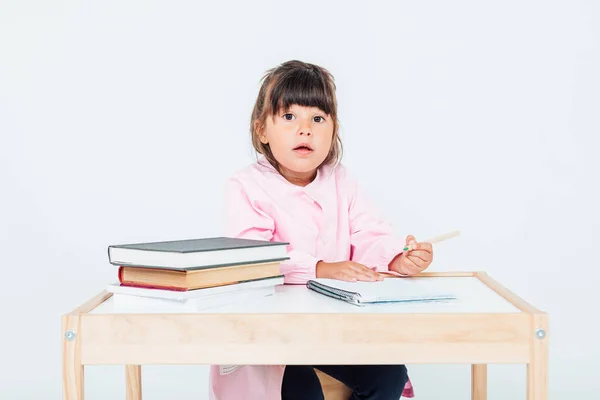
(346, 271)
(414, 260)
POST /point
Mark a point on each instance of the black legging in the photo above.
(367, 382)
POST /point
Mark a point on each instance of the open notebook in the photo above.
(386, 291)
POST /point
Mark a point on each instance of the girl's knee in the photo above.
(401, 372)
(392, 380)
(300, 382)
(382, 382)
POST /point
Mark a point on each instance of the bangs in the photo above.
(304, 87)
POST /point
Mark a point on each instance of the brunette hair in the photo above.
(300, 83)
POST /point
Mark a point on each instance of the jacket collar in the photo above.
(320, 189)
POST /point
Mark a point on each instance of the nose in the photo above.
(305, 129)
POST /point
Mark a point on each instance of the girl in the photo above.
(298, 192)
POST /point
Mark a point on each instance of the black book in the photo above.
(202, 253)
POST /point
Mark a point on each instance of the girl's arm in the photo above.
(372, 239)
(245, 219)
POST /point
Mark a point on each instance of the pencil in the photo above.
(437, 239)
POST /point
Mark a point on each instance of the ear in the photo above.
(259, 131)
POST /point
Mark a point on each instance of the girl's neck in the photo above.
(298, 178)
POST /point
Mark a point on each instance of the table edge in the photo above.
(508, 295)
(483, 277)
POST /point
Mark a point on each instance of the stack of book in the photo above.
(195, 274)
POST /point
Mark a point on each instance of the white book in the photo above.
(117, 288)
(135, 304)
(386, 291)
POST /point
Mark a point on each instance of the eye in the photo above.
(319, 119)
(288, 116)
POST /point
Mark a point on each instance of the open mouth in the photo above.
(303, 148)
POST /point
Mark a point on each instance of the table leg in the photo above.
(72, 369)
(133, 377)
(537, 369)
(479, 382)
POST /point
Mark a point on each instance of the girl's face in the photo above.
(300, 139)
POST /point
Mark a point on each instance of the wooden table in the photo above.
(487, 324)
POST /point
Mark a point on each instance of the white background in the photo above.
(121, 120)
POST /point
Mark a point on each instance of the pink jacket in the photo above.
(330, 219)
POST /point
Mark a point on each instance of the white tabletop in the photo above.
(473, 297)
